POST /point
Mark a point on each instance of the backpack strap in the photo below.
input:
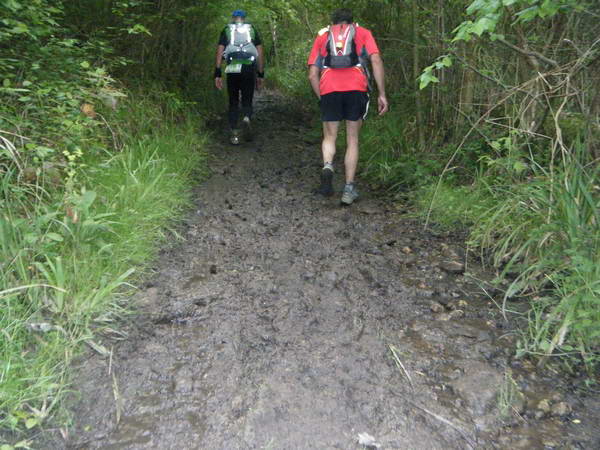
(350, 38)
(231, 27)
(330, 42)
(248, 28)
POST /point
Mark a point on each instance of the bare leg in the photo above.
(351, 158)
(330, 131)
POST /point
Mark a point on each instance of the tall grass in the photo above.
(542, 233)
(545, 235)
(68, 253)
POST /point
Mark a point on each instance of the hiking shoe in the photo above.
(326, 188)
(235, 137)
(247, 129)
(350, 194)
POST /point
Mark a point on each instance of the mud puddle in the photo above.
(285, 321)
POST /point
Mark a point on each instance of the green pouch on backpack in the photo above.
(233, 68)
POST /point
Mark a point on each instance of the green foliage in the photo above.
(489, 13)
(69, 254)
(453, 206)
(48, 78)
(290, 75)
(88, 182)
(389, 159)
(543, 232)
(531, 202)
(427, 75)
(28, 20)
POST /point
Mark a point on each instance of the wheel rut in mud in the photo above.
(285, 321)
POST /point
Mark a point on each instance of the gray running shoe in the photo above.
(235, 137)
(350, 194)
(326, 188)
(247, 129)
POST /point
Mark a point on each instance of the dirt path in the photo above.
(275, 325)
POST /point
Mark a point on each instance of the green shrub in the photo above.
(546, 231)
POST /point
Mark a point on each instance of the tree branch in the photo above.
(481, 74)
(532, 53)
(587, 59)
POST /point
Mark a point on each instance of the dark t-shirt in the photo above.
(224, 41)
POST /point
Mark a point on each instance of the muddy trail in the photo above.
(285, 321)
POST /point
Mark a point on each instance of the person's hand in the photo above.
(260, 82)
(382, 105)
(219, 83)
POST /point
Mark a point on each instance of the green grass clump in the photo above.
(452, 206)
(545, 234)
(542, 233)
(68, 253)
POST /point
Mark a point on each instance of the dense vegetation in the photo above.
(92, 173)
(494, 126)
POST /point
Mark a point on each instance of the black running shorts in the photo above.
(338, 106)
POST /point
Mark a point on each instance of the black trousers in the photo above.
(240, 86)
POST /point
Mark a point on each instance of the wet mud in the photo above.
(286, 321)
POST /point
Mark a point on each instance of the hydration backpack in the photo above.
(341, 48)
(240, 48)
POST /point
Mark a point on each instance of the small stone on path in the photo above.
(561, 409)
(367, 440)
(453, 267)
(544, 406)
(368, 209)
(437, 307)
(457, 314)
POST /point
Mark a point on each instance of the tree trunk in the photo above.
(416, 72)
(274, 53)
(467, 90)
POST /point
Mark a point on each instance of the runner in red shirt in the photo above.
(343, 91)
